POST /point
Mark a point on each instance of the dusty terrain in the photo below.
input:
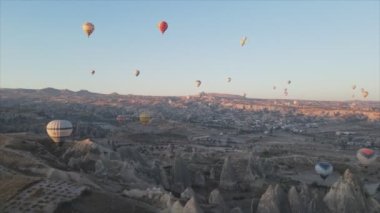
(209, 153)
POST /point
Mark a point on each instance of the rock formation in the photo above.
(181, 176)
(274, 200)
(295, 201)
(176, 208)
(217, 199)
(192, 206)
(227, 176)
(347, 195)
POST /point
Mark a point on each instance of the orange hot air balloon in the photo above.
(88, 28)
(162, 26)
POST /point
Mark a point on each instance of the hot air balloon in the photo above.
(88, 28)
(93, 72)
(286, 92)
(198, 83)
(353, 87)
(162, 26)
(243, 41)
(58, 130)
(229, 79)
(366, 156)
(323, 169)
(289, 82)
(144, 118)
(137, 73)
(274, 87)
(121, 118)
(365, 94)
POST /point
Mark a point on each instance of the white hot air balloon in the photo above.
(323, 169)
(58, 130)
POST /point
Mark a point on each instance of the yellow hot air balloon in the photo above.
(58, 130)
(144, 118)
(88, 28)
(243, 41)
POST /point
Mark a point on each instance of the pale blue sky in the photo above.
(322, 46)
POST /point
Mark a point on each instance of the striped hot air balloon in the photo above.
(366, 156)
(59, 130)
(324, 169)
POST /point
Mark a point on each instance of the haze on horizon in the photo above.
(322, 47)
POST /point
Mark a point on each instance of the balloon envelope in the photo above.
(144, 118)
(162, 26)
(58, 130)
(137, 73)
(88, 28)
(365, 94)
(243, 41)
(121, 118)
(198, 83)
(366, 156)
(324, 169)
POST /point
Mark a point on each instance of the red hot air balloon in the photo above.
(121, 118)
(162, 26)
(366, 156)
